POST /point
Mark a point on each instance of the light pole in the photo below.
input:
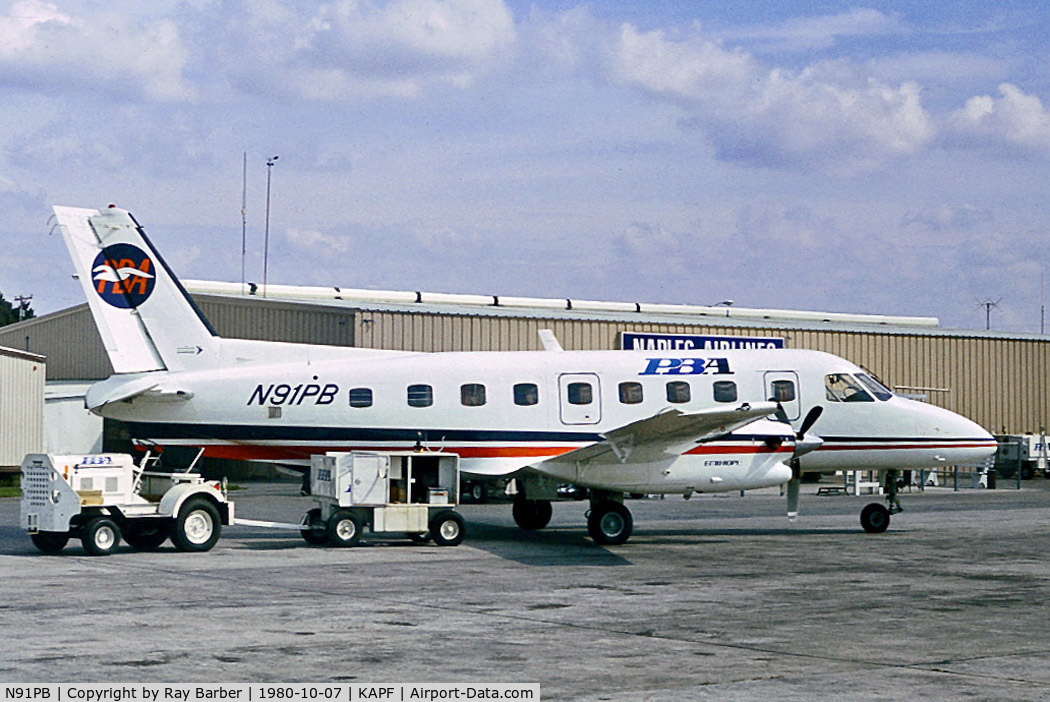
(266, 238)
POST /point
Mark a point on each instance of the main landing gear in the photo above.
(875, 518)
(609, 522)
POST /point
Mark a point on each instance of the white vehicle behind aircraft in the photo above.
(615, 422)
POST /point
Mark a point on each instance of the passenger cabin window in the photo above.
(472, 394)
(841, 387)
(631, 393)
(580, 394)
(783, 391)
(678, 391)
(360, 397)
(725, 391)
(526, 394)
(877, 389)
(420, 396)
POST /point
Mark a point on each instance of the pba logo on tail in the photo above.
(123, 275)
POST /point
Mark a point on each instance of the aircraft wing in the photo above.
(671, 431)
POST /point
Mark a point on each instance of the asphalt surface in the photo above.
(714, 598)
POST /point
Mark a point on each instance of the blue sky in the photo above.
(881, 158)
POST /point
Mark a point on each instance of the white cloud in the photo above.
(317, 242)
(54, 51)
(828, 112)
(937, 67)
(948, 218)
(348, 49)
(821, 32)
(1014, 119)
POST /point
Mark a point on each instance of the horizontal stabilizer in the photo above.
(122, 389)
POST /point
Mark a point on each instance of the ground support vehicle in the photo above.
(103, 498)
(403, 492)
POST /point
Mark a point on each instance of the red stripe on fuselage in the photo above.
(271, 453)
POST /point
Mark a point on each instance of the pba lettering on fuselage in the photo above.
(687, 366)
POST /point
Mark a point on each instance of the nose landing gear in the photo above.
(875, 518)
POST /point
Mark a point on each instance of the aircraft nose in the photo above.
(964, 440)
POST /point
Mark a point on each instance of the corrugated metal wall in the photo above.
(1001, 383)
(21, 408)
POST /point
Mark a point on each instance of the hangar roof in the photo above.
(585, 310)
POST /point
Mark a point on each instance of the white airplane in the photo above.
(615, 422)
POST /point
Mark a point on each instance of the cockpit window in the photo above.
(840, 387)
(877, 389)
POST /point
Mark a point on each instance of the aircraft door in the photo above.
(782, 387)
(580, 398)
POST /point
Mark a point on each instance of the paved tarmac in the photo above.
(714, 598)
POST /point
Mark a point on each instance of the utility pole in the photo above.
(23, 305)
(266, 238)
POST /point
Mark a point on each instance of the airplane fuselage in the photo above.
(505, 411)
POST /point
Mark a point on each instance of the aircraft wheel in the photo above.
(447, 528)
(478, 493)
(145, 537)
(344, 528)
(610, 523)
(100, 536)
(197, 527)
(532, 514)
(314, 533)
(50, 541)
(875, 518)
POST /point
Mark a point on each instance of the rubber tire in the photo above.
(875, 518)
(344, 528)
(144, 537)
(50, 541)
(478, 493)
(532, 514)
(100, 536)
(447, 528)
(314, 537)
(196, 513)
(610, 523)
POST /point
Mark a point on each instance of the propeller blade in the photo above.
(811, 418)
(792, 498)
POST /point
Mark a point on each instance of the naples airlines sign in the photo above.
(644, 341)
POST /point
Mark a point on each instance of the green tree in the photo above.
(9, 312)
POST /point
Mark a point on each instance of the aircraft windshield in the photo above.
(840, 387)
(877, 389)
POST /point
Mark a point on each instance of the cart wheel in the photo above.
(145, 537)
(344, 528)
(314, 532)
(197, 527)
(447, 528)
(50, 541)
(100, 536)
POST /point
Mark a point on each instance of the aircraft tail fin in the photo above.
(146, 319)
